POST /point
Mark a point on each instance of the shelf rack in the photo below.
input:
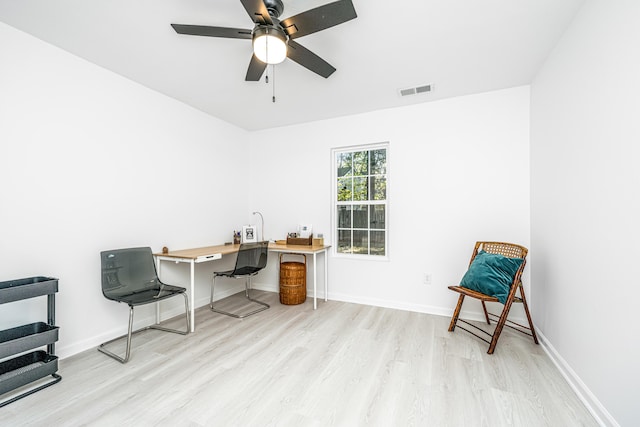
(27, 367)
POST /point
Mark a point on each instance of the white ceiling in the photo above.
(459, 46)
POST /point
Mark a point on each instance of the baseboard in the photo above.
(599, 412)
(267, 287)
(93, 342)
(375, 302)
(593, 405)
(398, 305)
(138, 322)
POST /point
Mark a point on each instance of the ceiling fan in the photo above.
(273, 40)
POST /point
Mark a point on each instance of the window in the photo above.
(360, 200)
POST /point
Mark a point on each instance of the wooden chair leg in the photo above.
(486, 314)
(456, 313)
(500, 326)
(526, 310)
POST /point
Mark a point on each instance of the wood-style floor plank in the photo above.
(343, 364)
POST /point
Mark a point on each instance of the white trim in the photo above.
(334, 220)
(599, 412)
(350, 148)
(139, 321)
(591, 402)
(399, 305)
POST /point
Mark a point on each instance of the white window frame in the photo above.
(335, 203)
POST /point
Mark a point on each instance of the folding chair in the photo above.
(494, 275)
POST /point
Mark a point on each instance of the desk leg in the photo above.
(192, 307)
(158, 263)
(315, 280)
(326, 276)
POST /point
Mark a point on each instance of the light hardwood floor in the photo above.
(343, 364)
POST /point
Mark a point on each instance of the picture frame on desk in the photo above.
(249, 234)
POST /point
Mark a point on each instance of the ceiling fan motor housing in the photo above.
(271, 30)
(274, 7)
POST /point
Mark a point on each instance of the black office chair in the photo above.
(129, 276)
(252, 257)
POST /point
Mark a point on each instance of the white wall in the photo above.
(585, 184)
(459, 171)
(90, 161)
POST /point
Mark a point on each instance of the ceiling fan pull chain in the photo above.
(266, 79)
(273, 71)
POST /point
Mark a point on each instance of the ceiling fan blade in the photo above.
(308, 59)
(256, 69)
(257, 11)
(201, 30)
(318, 19)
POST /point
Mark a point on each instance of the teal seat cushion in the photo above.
(491, 274)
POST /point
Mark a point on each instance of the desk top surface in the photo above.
(229, 249)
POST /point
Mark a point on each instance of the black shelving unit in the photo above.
(27, 367)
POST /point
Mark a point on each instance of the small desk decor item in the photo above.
(294, 239)
(305, 230)
(249, 234)
(236, 237)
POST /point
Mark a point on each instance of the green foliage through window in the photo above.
(361, 201)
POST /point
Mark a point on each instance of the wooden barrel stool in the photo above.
(293, 281)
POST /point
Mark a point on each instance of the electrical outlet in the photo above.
(426, 278)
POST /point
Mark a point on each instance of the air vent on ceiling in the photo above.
(415, 90)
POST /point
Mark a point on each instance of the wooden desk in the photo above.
(212, 253)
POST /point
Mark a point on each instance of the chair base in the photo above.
(129, 335)
(242, 316)
(502, 320)
(247, 285)
(509, 324)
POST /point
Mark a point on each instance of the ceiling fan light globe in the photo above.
(269, 47)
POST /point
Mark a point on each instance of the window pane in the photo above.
(345, 193)
(377, 243)
(378, 188)
(344, 241)
(344, 216)
(343, 164)
(377, 218)
(360, 219)
(361, 201)
(361, 163)
(360, 242)
(379, 162)
(360, 189)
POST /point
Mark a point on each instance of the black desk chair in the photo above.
(129, 276)
(252, 257)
